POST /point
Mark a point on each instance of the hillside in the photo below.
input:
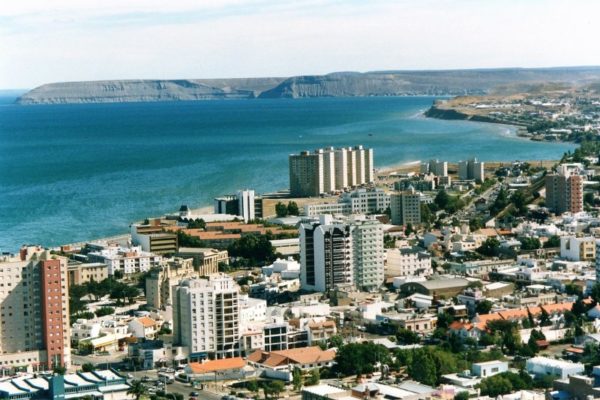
(339, 84)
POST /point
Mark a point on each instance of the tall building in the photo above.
(306, 174)
(325, 255)
(34, 322)
(472, 169)
(326, 170)
(597, 262)
(336, 253)
(228, 204)
(246, 204)
(564, 192)
(367, 247)
(435, 167)
(406, 208)
(206, 317)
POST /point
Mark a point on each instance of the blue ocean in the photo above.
(70, 173)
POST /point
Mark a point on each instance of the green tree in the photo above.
(545, 318)
(529, 243)
(137, 389)
(292, 208)
(253, 386)
(423, 368)
(519, 201)
(256, 248)
(490, 248)
(297, 379)
(406, 336)
(442, 199)
(409, 229)
(198, 223)
(553, 241)
(281, 210)
(356, 358)
(484, 307)
(336, 341)
(59, 369)
(464, 395)
(314, 378)
(102, 311)
(272, 389)
(88, 367)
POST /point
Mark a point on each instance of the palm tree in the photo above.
(137, 389)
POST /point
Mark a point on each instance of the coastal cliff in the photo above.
(339, 84)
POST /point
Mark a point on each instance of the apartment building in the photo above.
(81, 273)
(409, 261)
(575, 248)
(206, 317)
(205, 260)
(472, 169)
(161, 280)
(129, 260)
(152, 238)
(405, 208)
(367, 248)
(326, 170)
(325, 255)
(564, 191)
(435, 167)
(34, 317)
(359, 201)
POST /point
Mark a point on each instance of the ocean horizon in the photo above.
(70, 173)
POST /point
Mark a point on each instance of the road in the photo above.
(179, 387)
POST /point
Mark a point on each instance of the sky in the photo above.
(43, 41)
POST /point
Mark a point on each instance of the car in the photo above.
(194, 394)
(146, 378)
(129, 376)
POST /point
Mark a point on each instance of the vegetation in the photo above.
(490, 248)
(529, 243)
(137, 389)
(283, 210)
(505, 383)
(253, 247)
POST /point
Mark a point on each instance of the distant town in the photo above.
(435, 280)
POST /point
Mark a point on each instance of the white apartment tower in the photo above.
(471, 169)
(34, 323)
(206, 317)
(367, 247)
(246, 204)
(326, 170)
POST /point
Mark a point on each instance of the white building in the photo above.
(471, 170)
(206, 316)
(408, 262)
(542, 366)
(575, 248)
(326, 255)
(129, 260)
(367, 247)
(489, 368)
(83, 329)
(287, 269)
(246, 204)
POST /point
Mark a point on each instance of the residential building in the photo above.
(408, 261)
(489, 368)
(325, 255)
(223, 369)
(34, 319)
(543, 366)
(280, 364)
(405, 208)
(326, 170)
(435, 167)
(128, 260)
(472, 169)
(144, 327)
(228, 204)
(367, 248)
(161, 280)
(575, 248)
(442, 287)
(246, 204)
(564, 192)
(366, 201)
(81, 273)
(206, 316)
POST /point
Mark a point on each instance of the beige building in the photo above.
(405, 208)
(205, 261)
(160, 282)
(34, 317)
(81, 273)
(564, 193)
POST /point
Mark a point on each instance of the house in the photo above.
(466, 330)
(280, 364)
(143, 327)
(542, 366)
(489, 368)
(222, 369)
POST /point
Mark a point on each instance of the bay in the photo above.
(70, 173)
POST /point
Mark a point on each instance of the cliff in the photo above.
(339, 84)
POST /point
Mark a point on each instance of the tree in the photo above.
(88, 367)
(406, 336)
(292, 208)
(314, 378)
(442, 199)
(137, 389)
(272, 389)
(545, 318)
(102, 311)
(490, 248)
(529, 243)
(595, 293)
(356, 358)
(553, 241)
(464, 395)
(281, 210)
(198, 223)
(519, 201)
(484, 307)
(297, 379)
(256, 248)
(336, 341)
(59, 369)
(409, 229)
(253, 386)
(423, 368)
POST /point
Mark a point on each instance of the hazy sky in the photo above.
(45, 41)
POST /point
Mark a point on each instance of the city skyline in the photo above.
(153, 40)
